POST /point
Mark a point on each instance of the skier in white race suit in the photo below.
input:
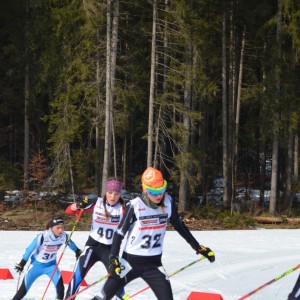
(107, 214)
(145, 222)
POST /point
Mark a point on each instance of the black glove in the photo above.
(78, 253)
(20, 266)
(83, 203)
(114, 268)
(207, 252)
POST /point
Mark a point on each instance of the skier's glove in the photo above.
(83, 203)
(20, 266)
(207, 252)
(114, 268)
(78, 253)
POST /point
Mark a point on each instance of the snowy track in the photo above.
(245, 260)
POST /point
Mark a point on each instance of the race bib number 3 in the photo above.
(124, 266)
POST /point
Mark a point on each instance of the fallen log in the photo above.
(293, 220)
(268, 220)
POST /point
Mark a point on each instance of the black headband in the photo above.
(56, 221)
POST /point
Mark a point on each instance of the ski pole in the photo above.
(75, 265)
(63, 251)
(18, 281)
(87, 287)
(19, 277)
(270, 282)
(170, 275)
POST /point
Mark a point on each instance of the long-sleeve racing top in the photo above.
(130, 222)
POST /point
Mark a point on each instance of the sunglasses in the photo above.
(155, 192)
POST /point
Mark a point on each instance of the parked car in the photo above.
(12, 196)
(71, 198)
(215, 195)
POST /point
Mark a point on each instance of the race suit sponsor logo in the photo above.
(154, 220)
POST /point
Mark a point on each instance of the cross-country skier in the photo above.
(107, 214)
(43, 250)
(145, 222)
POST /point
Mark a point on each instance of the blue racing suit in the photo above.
(43, 251)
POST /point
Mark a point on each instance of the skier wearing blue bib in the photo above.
(144, 224)
(43, 251)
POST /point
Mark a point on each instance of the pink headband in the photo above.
(113, 185)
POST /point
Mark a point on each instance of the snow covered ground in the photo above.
(245, 260)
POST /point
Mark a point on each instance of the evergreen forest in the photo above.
(200, 89)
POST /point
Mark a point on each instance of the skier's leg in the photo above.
(31, 275)
(109, 289)
(103, 255)
(57, 281)
(159, 282)
(86, 260)
(295, 294)
(112, 285)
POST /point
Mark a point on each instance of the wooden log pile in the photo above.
(276, 220)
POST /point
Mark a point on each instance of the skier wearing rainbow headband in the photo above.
(145, 223)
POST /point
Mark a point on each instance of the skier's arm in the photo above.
(128, 218)
(182, 229)
(38, 240)
(74, 247)
(75, 208)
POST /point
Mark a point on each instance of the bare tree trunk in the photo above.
(203, 151)
(155, 158)
(273, 193)
(296, 157)
(98, 120)
(263, 156)
(262, 177)
(230, 109)
(288, 185)
(238, 106)
(107, 142)
(71, 170)
(152, 87)
(26, 99)
(224, 115)
(183, 169)
(114, 146)
(98, 151)
(114, 44)
(163, 111)
(124, 162)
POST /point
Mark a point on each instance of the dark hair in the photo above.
(56, 220)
